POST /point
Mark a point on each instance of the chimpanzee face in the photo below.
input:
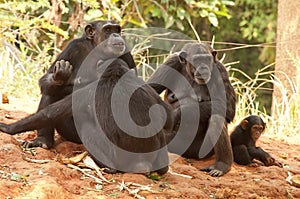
(256, 131)
(108, 35)
(199, 62)
(200, 68)
(112, 34)
(254, 126)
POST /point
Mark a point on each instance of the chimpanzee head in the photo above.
(107, 36)
(253, 125)
(199, 59)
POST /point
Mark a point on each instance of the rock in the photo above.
(296, 181)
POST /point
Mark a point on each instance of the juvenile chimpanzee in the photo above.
(198, 88)
(101, 40)
(243, 141)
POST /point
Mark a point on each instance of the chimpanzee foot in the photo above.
(213, 171)
(110, 170)
(39, 142)
(162, 170)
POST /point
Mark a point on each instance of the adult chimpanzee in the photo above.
(243, 141)
(132, 118)
(100, 41)
(203, 105)
(111, 117)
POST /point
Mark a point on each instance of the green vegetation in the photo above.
(34, 32)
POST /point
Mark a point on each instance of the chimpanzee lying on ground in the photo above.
(198, 87)
(243, 141)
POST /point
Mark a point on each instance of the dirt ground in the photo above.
(41, 174)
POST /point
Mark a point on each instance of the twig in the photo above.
(134, 192)
(89, 162)
(35, 161)
(85, 173)
(142, 187)
(178, 174)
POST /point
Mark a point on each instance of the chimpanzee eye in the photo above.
(107, 30)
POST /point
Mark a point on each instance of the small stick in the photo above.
(178, 174)
(134, 192)
(35, 161)
(82, 171)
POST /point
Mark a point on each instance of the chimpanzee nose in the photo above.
(115, 35)
(201, 69)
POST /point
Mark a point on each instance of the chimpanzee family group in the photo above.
(92, 95)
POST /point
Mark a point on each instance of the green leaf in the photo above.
(93, 14)
(17, 177)
(155, 176)
(213, 19)
(180, 13)
(203, 13)
(179, 25)
(156, 12)
(170, 22)
(222, 13)
(228, 3)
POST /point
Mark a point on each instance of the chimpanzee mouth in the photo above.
(202, 79)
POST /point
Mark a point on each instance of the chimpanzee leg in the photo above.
(67, 130)
(169, 135)
(43, 119)
(181, 139)
(45, 139)
(45, 136)
(241, 155)
(162, 160)
(218, 138)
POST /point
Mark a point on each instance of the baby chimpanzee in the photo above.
(243, 141)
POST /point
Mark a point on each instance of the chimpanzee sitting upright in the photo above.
(100, 41)
(198, 88)
(120, 120)
(243, 141)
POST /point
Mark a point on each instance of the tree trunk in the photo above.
(287, 67)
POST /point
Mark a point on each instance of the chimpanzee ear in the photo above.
(89, 31)
(264, 125)
(182, 57)
(244, 124)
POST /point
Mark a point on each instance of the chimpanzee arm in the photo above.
(59, 79)
(230, 93)
(259, 154)
(51, 87)
(127, 57)
(164, 75)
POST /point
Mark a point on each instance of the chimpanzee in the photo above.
(243, 141)
(131, 132)
(100, 41)
(198, 88)
(117, 119)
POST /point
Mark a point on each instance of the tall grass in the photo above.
(283, 121)
(286, 109)
(19, 74)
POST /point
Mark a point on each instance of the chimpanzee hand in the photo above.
(270, 161)
(62, 71)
